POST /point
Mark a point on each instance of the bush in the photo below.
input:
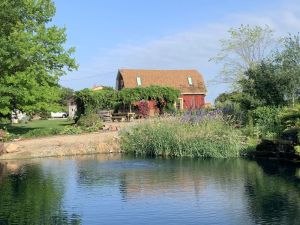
(4, 120)
(91, 122)
(42, 132)
(172, 136)
(290, 116)
(266, 122)
(45, 115)
(71, 130)
(143, 108)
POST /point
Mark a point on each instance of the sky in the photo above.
(160, 34)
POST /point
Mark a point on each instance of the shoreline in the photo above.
(62, 145)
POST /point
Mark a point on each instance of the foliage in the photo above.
(42, 132)
(245, 47)
(143, 108)
(162, 95)
(265, 83)
(266, 122)
(289, 61)
(65, 95)
(290, 116)
(214, 138)
(4, 120)
(297, 149)
(44, 115)
(69, 130)
(236, 105)
(89, 101)
(92, 121)
(52, 127)
(33, 56)
(242, 100)
(4, 135)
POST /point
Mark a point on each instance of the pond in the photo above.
(116, 189)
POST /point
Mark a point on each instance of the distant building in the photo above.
(72, 107)
(189, 82)
(97, 88)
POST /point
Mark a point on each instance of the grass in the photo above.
(37, 128)
(209, 138)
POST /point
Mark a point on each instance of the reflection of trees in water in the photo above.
(175, 176)
(273, 193)
(28, 196)
(2, 172)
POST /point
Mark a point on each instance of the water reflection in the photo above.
(116, 189)
(273, 193)
(29, 196)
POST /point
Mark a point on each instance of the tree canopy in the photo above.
(32, 56)
(246, 46)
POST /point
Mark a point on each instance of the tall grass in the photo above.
(204, 137)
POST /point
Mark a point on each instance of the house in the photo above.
(72, 107)
(189, 82)
(97, 87)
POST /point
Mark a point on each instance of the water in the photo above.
(115, 189)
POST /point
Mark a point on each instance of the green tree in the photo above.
(65, 95)
(289, 61)
(265, 83)
(32, 56)
(245, 47)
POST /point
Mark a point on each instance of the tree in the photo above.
(32, 56)
(245, 47)
(265, 83)
(289, 61)
(65, 95)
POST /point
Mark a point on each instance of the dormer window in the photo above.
(139, 81)
(190, 81)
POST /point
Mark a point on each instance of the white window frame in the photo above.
(190, 80)
(139, 81)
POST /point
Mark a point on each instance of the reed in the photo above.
(178, 137)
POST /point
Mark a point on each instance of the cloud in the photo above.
(185, 50)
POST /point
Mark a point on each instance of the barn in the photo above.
(189, 82)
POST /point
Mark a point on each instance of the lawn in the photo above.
(23, 129)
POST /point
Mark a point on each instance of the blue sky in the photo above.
(160, 34)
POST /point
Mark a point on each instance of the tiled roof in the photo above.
(168, 78)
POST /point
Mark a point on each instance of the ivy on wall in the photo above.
(108, 98)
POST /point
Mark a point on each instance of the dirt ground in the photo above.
(106, 141)
(89, 143)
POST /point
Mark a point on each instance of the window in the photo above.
(179, 104)
(190, 80)
(138, 81)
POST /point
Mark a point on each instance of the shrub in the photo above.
(143, 108)
(290, 116)
(42, 132)
(4, 120)
(266, 122)
(172, 136)
(91, 122)
(45, 115)
(71, 130)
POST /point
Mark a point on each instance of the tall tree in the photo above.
(289, 61)
(245, 47)
(32, 56)
(265, 83)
